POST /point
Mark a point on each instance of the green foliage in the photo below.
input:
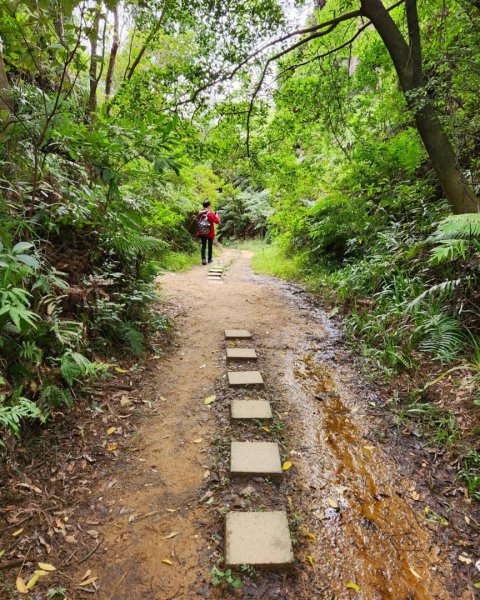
(470, 473)
(225, 578)
(16, 409)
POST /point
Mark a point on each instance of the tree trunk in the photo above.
(407, 61)
(5, 108)
(113, 55)
(93, 37)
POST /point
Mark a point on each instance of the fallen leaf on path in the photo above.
(266, 428)
(353, 586)
(167, 562)
(477, 565)
(202, 366)
(287, 465)
(477, 585)
(32, 581)
(70, 539)
(171, 535)
(310, 535)
(40, 572)
(111, 430)
(93, 533)
(29, 487)
(88, 572)
(371, 448)
(163, 399)
(172, 509)
(415, 495)
(87, 581)
(119, 370)
(310, 559)
(18, 532)
(414, 573)
(20, 585)
(46, 567)
(198, 441)
(332, 503)
(209, 400)
(465, 559)
(112, 447)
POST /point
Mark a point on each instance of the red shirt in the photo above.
(213, 218)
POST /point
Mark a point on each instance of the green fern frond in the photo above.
(446, 287)
(449, 250)
(443, 336)
(134, 338)
(54, 396)
(137, 243)
(12, 415)
(458, 227)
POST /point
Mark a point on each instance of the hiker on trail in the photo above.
(206, 220)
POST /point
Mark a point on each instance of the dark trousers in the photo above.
(206, 240)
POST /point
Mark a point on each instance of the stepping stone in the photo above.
(255, 458)
(261, 539)
(214, 274)
(231, 334)
(241, 378)
(215, 270)
(251, 409)
(241, 354)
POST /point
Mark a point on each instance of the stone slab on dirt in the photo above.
(251, 409)
(215, 270)
(232, 334)
(244, 378)
(255, 458)
(261, 539)
(241, 354)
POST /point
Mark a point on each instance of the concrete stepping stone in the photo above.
(241, 354)
(214, 274)
(215, 270)
(251, 409)
(261, 539)
(244, 378)
(255, 458)
(232, 334)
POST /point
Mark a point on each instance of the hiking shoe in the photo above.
(204, 262)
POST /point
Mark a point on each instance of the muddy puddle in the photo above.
(372, 541)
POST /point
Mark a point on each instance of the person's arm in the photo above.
(213, 217)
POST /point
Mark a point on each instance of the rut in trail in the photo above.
(344, 491)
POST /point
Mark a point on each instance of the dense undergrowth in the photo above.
(111, 142)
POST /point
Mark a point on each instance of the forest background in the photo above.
(343, 137)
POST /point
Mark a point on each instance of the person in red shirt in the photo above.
(206, 220)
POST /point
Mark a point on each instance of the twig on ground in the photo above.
(90, 553)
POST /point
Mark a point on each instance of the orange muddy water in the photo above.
(361, 529)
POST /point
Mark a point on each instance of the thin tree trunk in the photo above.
(113, 55)
(5, 108)
(407, 61)
(156, 28)
(93, 36)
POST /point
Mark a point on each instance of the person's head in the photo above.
(206, 204)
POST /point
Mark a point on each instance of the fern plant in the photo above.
(15, 409)
(441, 335)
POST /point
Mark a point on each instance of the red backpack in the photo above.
(203, 224)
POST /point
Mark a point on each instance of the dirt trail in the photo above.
(344, 490)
